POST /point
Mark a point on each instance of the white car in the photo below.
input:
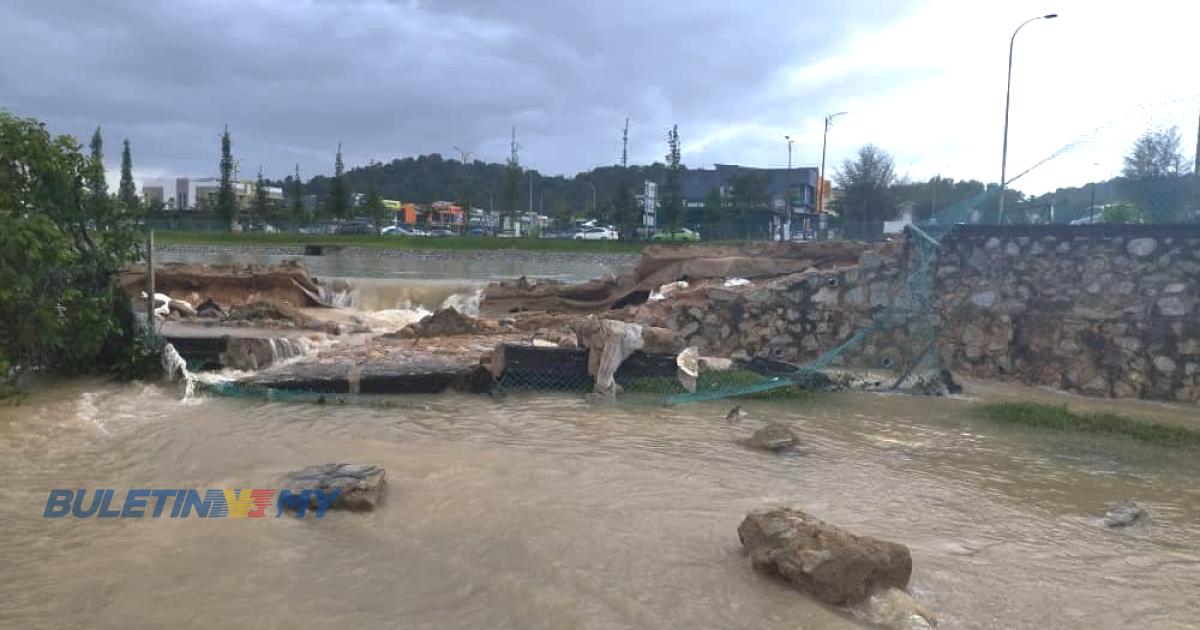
(596, 234)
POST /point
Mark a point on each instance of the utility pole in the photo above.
(933, 199)
(625, 145)
(821, 182)
(787, 195)
(463, 155)
(1196, 168)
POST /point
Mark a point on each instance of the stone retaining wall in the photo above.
(1109, 311)
(1102, 310)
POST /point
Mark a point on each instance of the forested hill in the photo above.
(432, 178)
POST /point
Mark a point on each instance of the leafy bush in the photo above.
(61, 247)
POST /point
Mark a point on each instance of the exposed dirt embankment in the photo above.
(697, 265)
(227, 285)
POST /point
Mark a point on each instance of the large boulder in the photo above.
(361, 485)
(830, 563)
(775, 437)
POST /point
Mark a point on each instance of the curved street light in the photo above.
(1007, 100)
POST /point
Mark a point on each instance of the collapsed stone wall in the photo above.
(1102, 310)
(798, 317)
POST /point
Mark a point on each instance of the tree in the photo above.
(373, 206)
(1150, 168)
(1155, 155)
(714, 208)
(127, 192)
(262, 200)
(61, 307)
(337, 203)
(299, 213)
(672, 192)
(625, 208)
(1124, 212)
(227, 206)
(865, 184)
(97, 188)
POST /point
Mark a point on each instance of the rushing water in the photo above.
(543, 511)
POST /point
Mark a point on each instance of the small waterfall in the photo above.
(176, 368)
(465, 303)
(284, 348)
(341, 299)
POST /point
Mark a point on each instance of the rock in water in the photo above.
(1124, 514)
(832, 564)
(735, 415)
(774, 437)
(895, 609)
(361, 485)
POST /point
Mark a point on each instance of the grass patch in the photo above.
(424, 243)
(1062, 419)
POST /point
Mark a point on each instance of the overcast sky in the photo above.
(924, 80)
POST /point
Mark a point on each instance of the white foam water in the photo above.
(176, 369)
(288, 348)
(465, 303)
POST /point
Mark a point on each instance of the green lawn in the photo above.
(465, 243)
(1062, 419)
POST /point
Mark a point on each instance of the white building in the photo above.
(184, 193)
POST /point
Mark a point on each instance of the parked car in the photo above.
(480, 231)
(596, 234)
(357, 227)
(682, 234)
(398, 230)
(442, 232)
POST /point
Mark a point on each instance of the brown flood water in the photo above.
(543, 511)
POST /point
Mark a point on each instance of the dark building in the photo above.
(800, 184)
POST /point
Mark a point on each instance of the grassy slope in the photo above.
(461, 243)
(1060, 418)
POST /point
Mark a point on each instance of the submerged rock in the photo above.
(361, 485)
(895, 609)
(1125, 513)
(831, 564)
(775, 437)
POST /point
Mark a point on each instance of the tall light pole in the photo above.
(787, 192)
(821, 182)
(1007, 100)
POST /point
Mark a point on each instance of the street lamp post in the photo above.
(1007, 100)
(821, 181)
(787, 193)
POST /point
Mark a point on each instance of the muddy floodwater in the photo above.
(542, 511)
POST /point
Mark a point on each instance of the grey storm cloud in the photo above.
(292, 78)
